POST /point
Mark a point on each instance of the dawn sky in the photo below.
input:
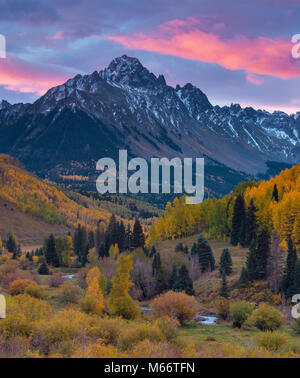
(234, 51)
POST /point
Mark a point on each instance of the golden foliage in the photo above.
(180, 306)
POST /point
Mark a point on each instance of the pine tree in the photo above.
(205, 255)
(184, 282)
(50, 252)
(17, 253)
(243, 280)
(224, 291)
(157, 273)
(173, 278)
(225, 262)
(194, 250)
(152, 251)
(274, 266)
(11, 242)
(122, 237)
(289, 271)
(262, 254)
(275, 196)
(138, 237)
(102, 251)
(43, 269)
(252, 263)
(238, 227)
(295, 286)
(251, 224)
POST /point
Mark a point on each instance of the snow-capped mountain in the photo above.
(126, 106)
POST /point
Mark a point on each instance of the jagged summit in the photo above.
(4, 104)
(127, 70)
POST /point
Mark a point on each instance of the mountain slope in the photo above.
(126, 106)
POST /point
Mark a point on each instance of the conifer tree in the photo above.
(11, 242)
(262, 254)
(157, 273)
(138, 237)
(225, 262)
(251, 224)
(184, 282)
(43, 269)
(274, 268)
(173, 277)
(289, 271)
(152, 251)
(238, 227)
(251, 263)
(295, 286)
(224, 291)
(205, 255)
(50, 252)
(243, 280)
(275, 196)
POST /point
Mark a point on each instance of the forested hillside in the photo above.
(275, 204)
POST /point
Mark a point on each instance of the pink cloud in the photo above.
(20, 76)
(58, 35)
(184, 39)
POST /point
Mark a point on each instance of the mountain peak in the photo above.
(4, 104)
(127, 70)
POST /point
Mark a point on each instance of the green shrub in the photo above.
(87, 305)
(69, 292)
(271, 341)
(139, 332)
(266, 318)
(240, 311)
(35, 291)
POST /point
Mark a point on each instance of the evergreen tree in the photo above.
(102, 251)
(225, 262)
(194, 250)
(50, 252)
(251, 224)
(275, 196)
(81, 245)
(295, 286)
(238, 227)
(122, 237)
(262, 254)
(224, 291)
(184, 282)
(91, 240)
(138, 237)
(157, 273)
(288, 278)
(17, 253)
(11, 242)
(173, 278)
(128, 237)
(43, 269)
(152, 251)
(251, 263)
(205, 255)
(243, 280)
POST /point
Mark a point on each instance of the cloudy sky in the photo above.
(235, 51)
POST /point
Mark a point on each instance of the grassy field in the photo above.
(214, 336)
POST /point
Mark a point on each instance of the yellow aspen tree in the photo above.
(119, 301)
(96, 294)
